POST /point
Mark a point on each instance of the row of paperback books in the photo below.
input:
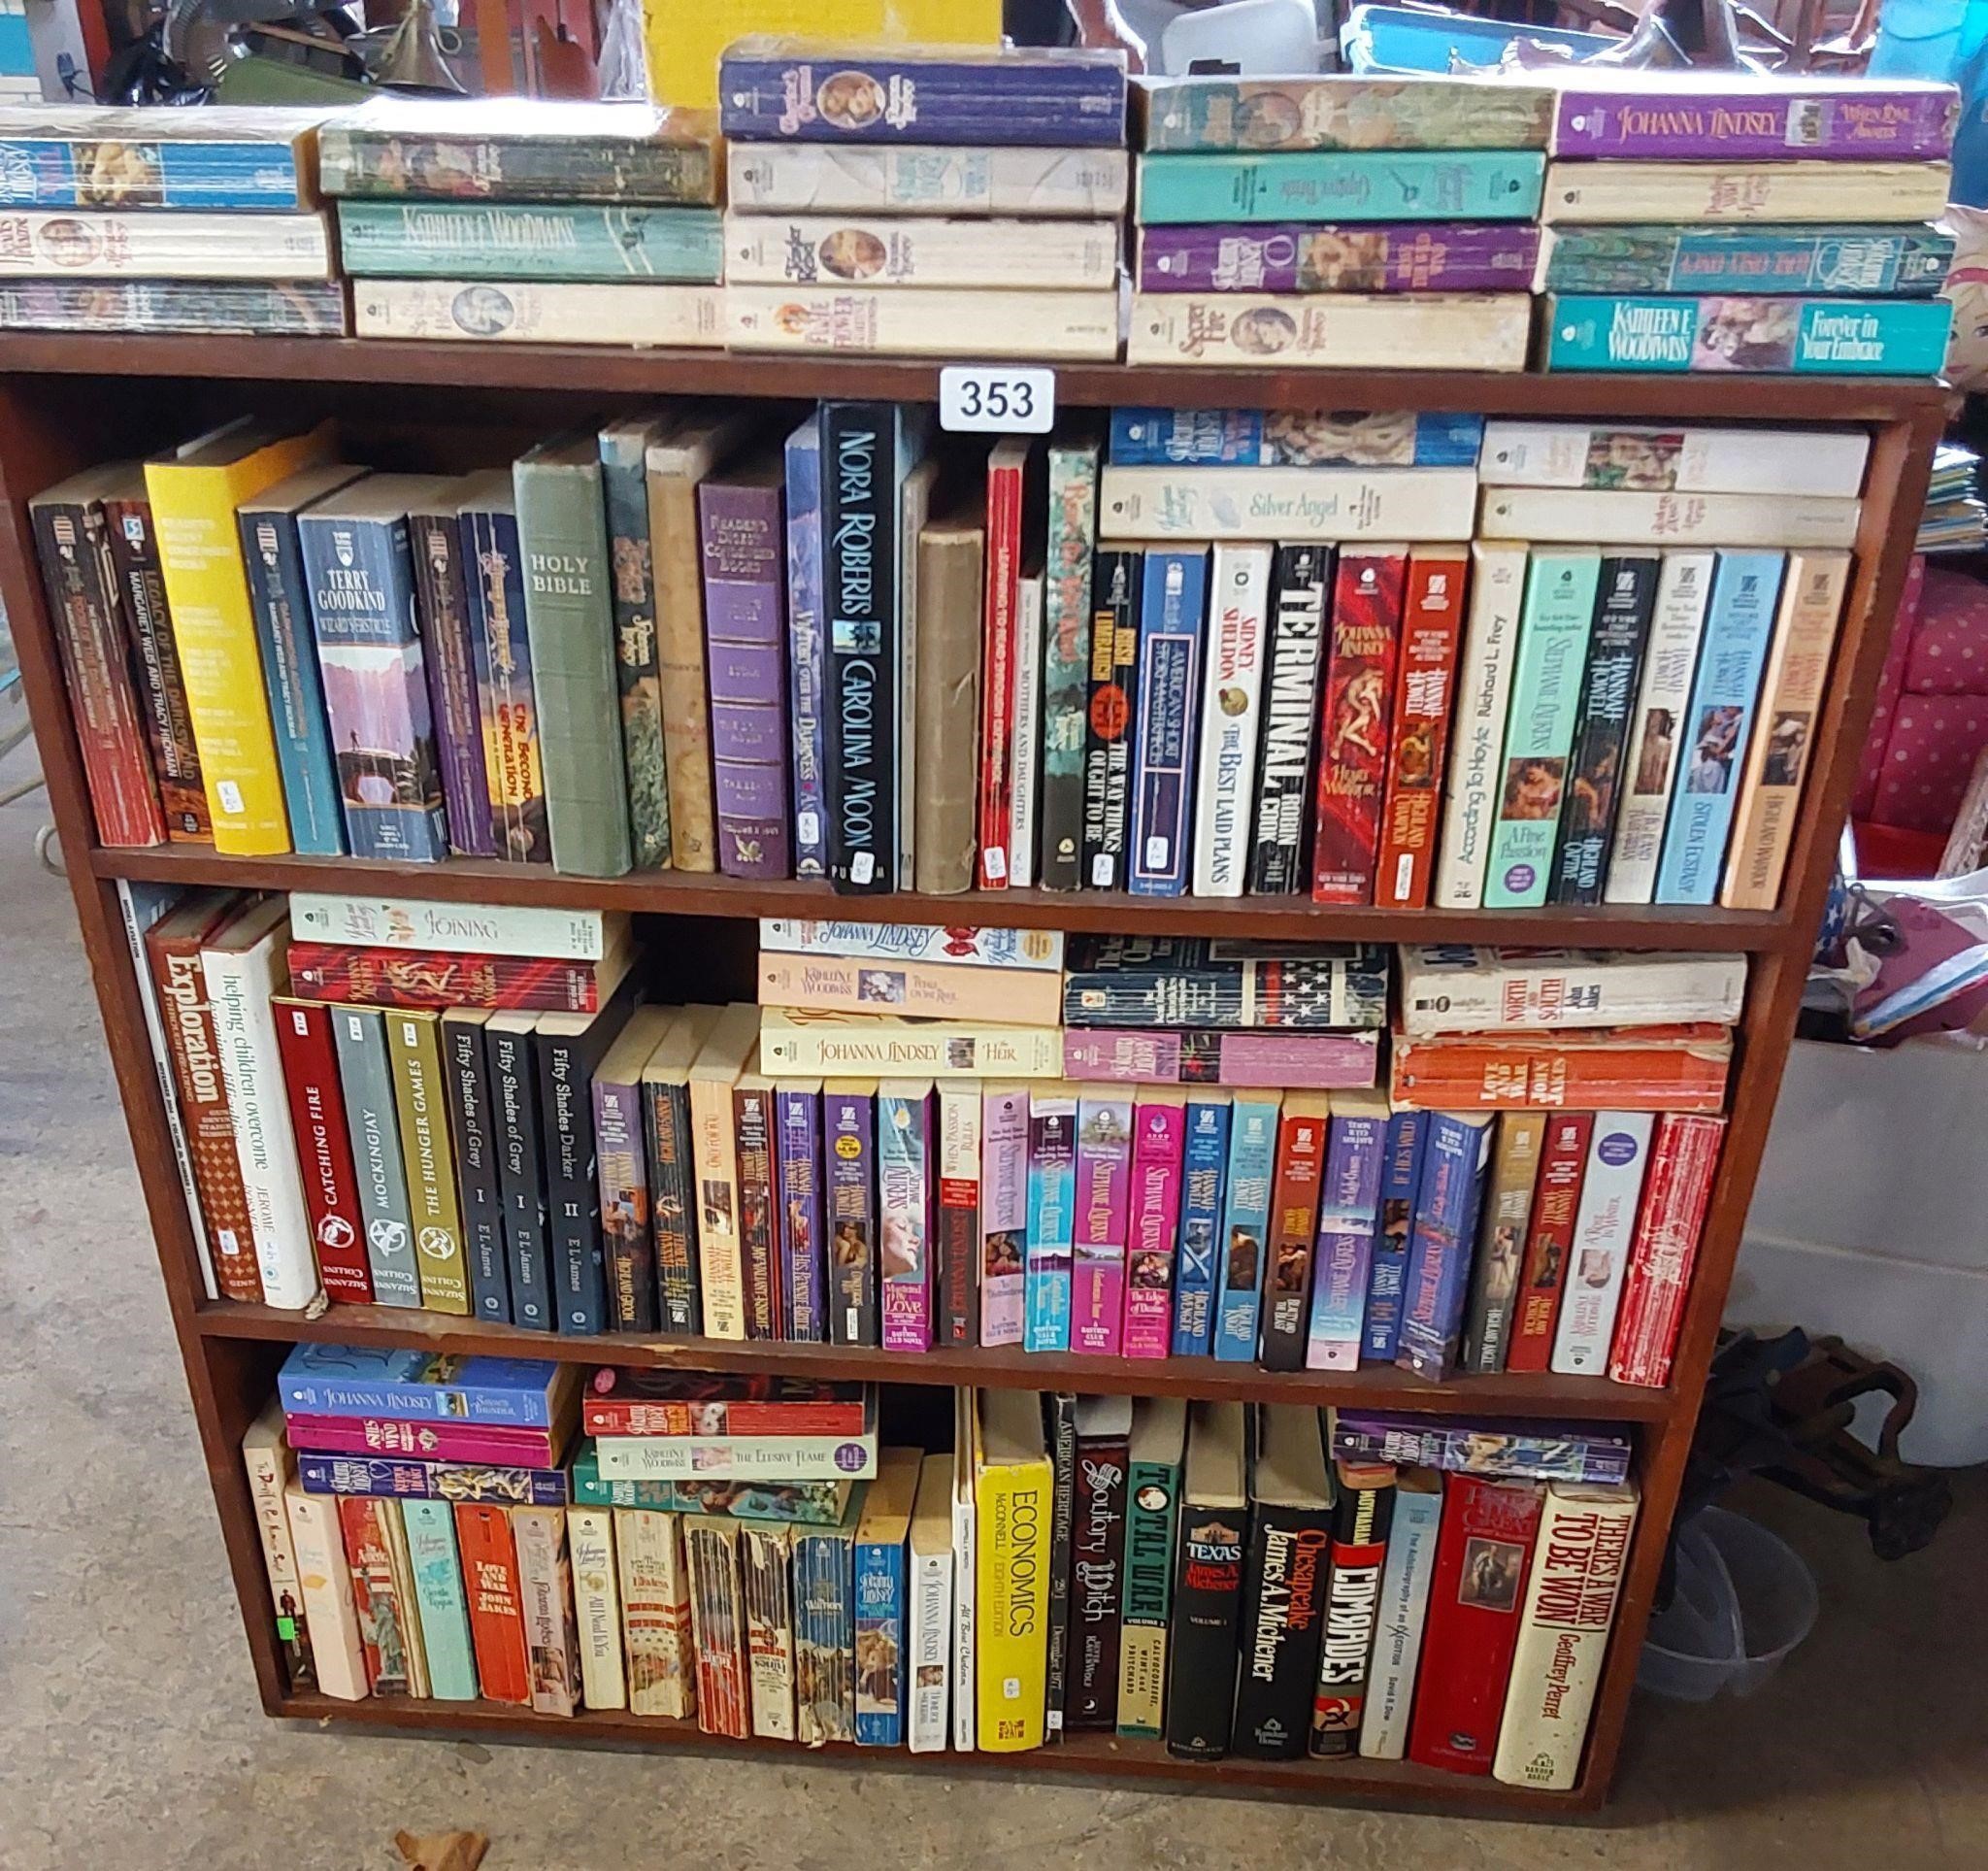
(1233, 1581)
(1184, 656)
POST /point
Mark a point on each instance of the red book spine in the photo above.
(1353, 738)
(1432, 625)
(1293, 1226)
(490, 1576)
(646, 1416)
(302, 1034)
(1549, 1240)
(423, 978)
(1481, 1559)
(753, 1154)
(997, 674)
(1674, 1200)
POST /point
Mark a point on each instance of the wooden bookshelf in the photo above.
(67, 401)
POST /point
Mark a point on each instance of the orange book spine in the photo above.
(1660, 1069)
(489, 1574)
(1432, 627)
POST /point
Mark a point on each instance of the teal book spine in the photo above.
(432, 240)
(438, 1591)
(563, 543)
(1758, 336)
(1739, 624)
(1325, 186)
(1245, 1224)
(1538, 731)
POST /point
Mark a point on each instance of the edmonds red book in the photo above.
(1007, 471)
(317, 1115)
(1431, 625)
(1353, 721)
(490, 1576)
(1481, 1557)
(427, 978)
(1675, 1194)
(1549, 1239)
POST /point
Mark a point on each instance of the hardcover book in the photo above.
(458, 239)
(1361, 1514)
(849, 1124)
(1006, 1160)
(1353, 722)
(1012, 1487)
(1436, 1280)
(1117, 579)
(1171, 623)
(1072, 536)
(1284, 1593)
(1431, 620)
(1208, 1584)
(1245, 1225)
(1844, 260)
(1052, 1223)
(632, 588)
(1349, 1214)
(1470, 794)
(1152, 1497)
(1400, 1612)
(1204, 1172)
(506, 703)
(928, 178)
(1097, 1562)
(1159, 1143)
(1603, 1232)
(1101, 1219)
(951, 560)
(1549, 1240)
(1232, 680)
(1341, 111)
(1406, 257)
(448, 654)
(1280, 853)
(655, 1613)
(1836, 337)
(1334, 186)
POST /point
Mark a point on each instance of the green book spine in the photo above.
(366, 1076)
(508, 241)
(624, 488)
(1067, 658)
(438, 1591)
(1334, 186)
(563, 541)
(1152, 1497)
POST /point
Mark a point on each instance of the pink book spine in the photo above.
(1104, 1177)
(428, 1441)
(1679, 1190)
(1004, 1213)
(903, 1202)
(1159, 1136)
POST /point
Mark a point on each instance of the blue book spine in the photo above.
(432, 1480)
(361, 581)
(1437, 1278)
(1150, 438)
(797, 1121)
(353, 1380)
(1204, 1167)
(1172, 611)
(44, 172)
(1052, 1223)
(881, 1631)
(805, 651)
(438, 1593)
(1245, 1223)
(1341, 185)
(1739, 624)
(282, 604)
(1402, 1170)
(1760, 335)
(1342, 1262)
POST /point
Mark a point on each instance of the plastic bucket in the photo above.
(1745, 1599)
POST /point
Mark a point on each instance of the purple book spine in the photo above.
(1102, 1215)
(450, 658)
(1282, 1061)
(1439, 1271)
(1349, 1213)
(744, 622)
(797, 1116)
(1004, 1213)
(1415, 256)
(905, 1161)
(1738, 122)
(850, 1121)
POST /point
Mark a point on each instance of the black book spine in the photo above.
(1116, 583)
(1060, 1408)
(752, 1134)
(1097, 1580)
(1361, 1516)
(1621, 632)
(1289, 1559)
(1208, 1600)
(521, 1178)
(441, 603)
(1278, 862)
(573, 1192)
(859, 578)
(476, 1168)
(673, 1206)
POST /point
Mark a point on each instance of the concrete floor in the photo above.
(132, 1739)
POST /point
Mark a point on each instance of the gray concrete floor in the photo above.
(132, 1738)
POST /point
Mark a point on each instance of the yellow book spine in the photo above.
(419, 1096)
(1011, 1604)
(200, 556)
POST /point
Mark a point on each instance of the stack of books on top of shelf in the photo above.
(1341, 221)
(576, 224)
(203, 220)
(1726, 221)
(923, 199)
(1955, 520)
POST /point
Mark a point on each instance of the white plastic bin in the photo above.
(1745, 1600)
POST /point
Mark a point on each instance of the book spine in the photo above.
(1340, 186)
(438, 1481)
(249, 174)
(475, 1443)
(354, 160)
(1362, 1516)
(546, 1577)
(1231, 689)
(1245, 1225)
(1738, 122)
(767, 1597)
(879, 1603)
(655, 1614)
(1508, 1207)
(806, 651)
(1153, 438)
(1006, 1168)
(720, 1261)
(958, 1220)
(744, 614)
(572, 1190)
(496, 1601)
(945, 727)
(1284, 1611)
(418, 979)
(1026, 744)
(407, 1594)
(1171, 622)
(1207, 1594)
(904, 1180)
(326, 1590)
(1292, 258)
(1116, 579)
(859, 476)
(518, 1398)
(1097, 1568)
(678, 1418)
(1348, 1214)
(803, 178)
(1101, 1221)
(484, 240)
(825, 1637)
(442, 602)
(717, 1625)
(966, 1693)
(1380, 112)
(1291, 1237)
(1549, 1241)
(850, 1118)
(1471, 795)
(929, 1655)
(1204, 1165)
(1836, 337)
(521, 1178)
(1679, 1190)
(1059, 1412)
(181, 246)
(318, 1118)
(1152, 1496)
(677, 553)
(1618, 1157)
(297, 308)
(1353, 723)
(597, 1607)
(384, 1630)
(1906, 262)
(1400, 1174)
(673, 1202)
(632, 592)
(1052, 1231)
(1012, 1604)
(755, 1137)
(421, 1098)
(803, 1297)
(268, 1462)
(429, 1529)
(622, 1170)
(1400, 1614)
(999, 630)
(958, 946)
(1067, 660)
(366, 1076)
(1310, 990)
(473, 1133)
(1431, 620)
(506, 702)
(1158, 1147)
(1290, 713)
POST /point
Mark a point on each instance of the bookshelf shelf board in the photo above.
(608, 370)
(682, 893)
(1077, 1756)
(1373, 1386)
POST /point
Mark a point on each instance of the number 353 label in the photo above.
(1007, 400)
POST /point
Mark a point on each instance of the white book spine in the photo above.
(1398, 1620)
(1819, 463)
(453, 928)
(960, 947)
(137, 919)
(326, 1582)
(1338, 330)
(1025, 742)
(910, 179)
(597, 1605)
(929, 1657)
(1630, 518)
(545, 1593)
(720, 1270)
(267, 1460)
(1490, 991)
(684, 318)
(963, 1693)
(1575, 1583)
(1231, 697)
(1618, 1153)
(923, 323)
(239, 987)
(78, 245)
(1470, 807)
(1423, 504)
(1656, 732)
(737, 1459)
(1669, 192)
(656, 1611)
(765, 1585)
(895, 250)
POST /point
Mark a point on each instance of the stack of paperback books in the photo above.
(199, 220)
(1955, 520)
(1339, 221)
(1715, 221)
(923, 199)
(577, 223)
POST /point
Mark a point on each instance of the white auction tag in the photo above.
(1005, 399)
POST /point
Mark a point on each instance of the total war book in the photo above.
(1403, 256)
(1340, 111)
